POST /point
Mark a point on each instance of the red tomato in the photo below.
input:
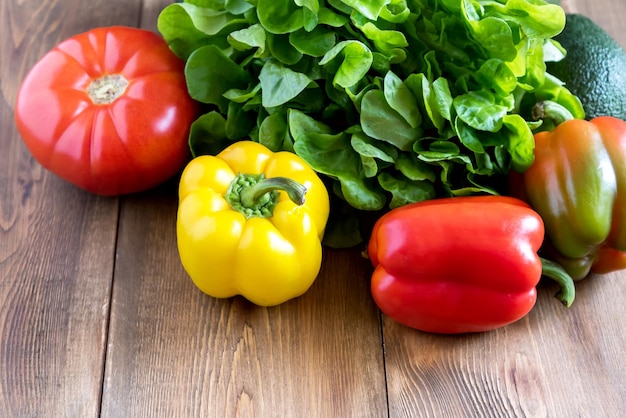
(108, 110)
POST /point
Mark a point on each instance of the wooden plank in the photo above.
(56, 242)
(609, 14)
(174, 351)
(555, 362)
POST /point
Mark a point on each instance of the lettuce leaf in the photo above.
(391, 101)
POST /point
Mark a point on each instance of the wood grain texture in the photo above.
(556, 362)
(98, 318)
(56, 243)
(607, 14)
(174, 351)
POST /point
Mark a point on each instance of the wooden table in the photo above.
(98, 318)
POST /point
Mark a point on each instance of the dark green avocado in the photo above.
(594, 68)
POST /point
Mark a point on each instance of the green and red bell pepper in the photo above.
(577, 184)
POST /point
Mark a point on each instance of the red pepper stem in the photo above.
(557, 273)
(550, 110)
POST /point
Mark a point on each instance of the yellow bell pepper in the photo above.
(244, 227)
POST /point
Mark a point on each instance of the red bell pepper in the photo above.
(461, 264)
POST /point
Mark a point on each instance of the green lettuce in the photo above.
(392, 101)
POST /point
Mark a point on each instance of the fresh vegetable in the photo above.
(462, 264)
(244, 227)
(108, 110)
(394, 101)
(594, 68)
(578, 185)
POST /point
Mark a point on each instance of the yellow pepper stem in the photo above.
(255, 195)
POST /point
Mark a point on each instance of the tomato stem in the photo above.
(107, 89)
